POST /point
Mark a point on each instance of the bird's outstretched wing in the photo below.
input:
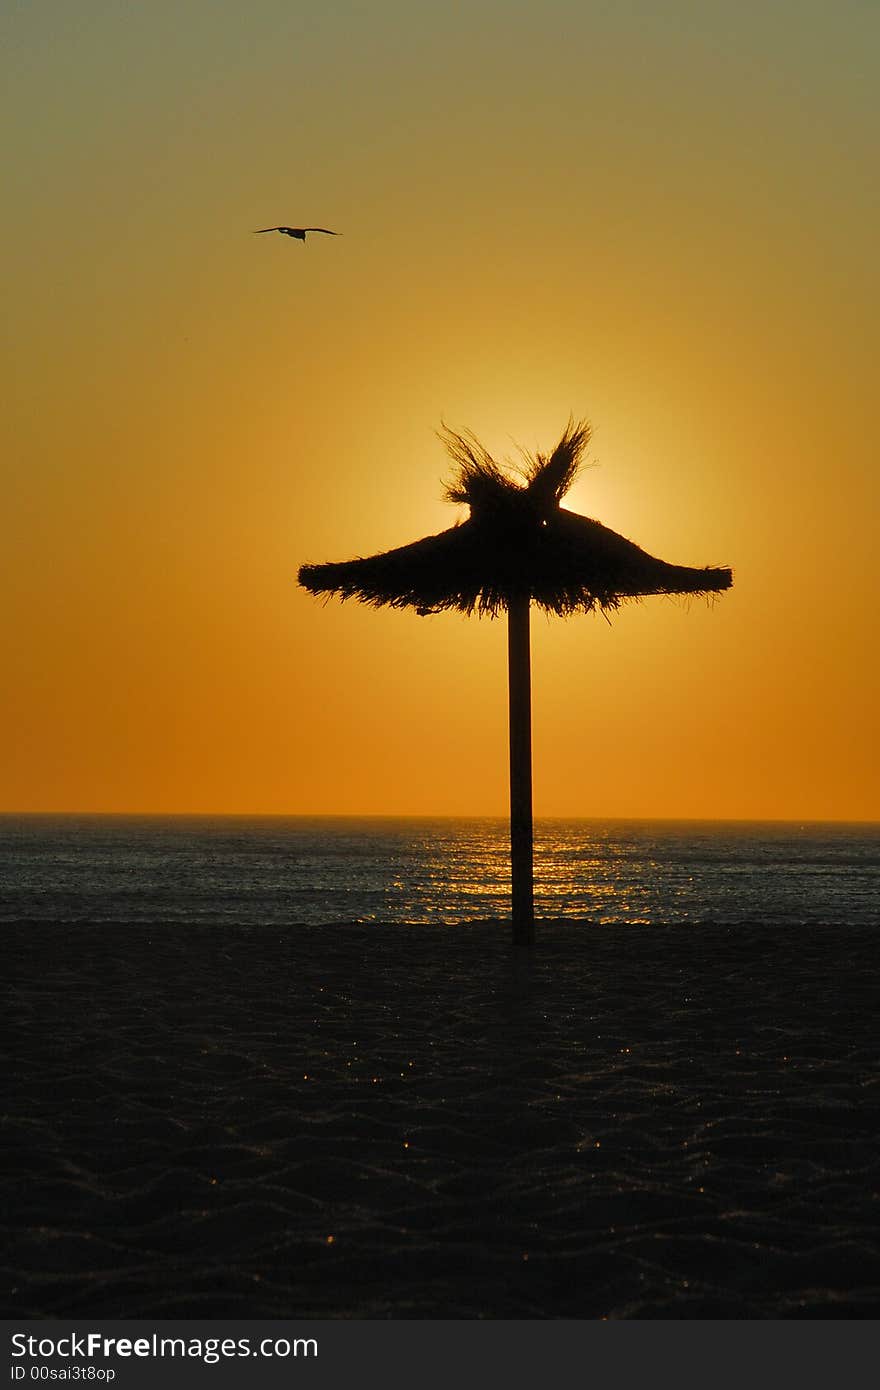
(270, 229)
(326, 230)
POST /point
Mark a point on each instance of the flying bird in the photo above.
(298, 232)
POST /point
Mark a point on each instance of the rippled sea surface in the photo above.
(294, 869)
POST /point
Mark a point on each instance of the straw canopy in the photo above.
(517, 544)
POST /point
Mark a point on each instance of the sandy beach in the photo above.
(391, 1122)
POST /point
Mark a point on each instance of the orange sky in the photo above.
(663, 218)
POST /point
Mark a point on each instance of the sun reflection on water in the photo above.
(579, 872)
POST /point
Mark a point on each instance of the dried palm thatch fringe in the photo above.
(517, 542)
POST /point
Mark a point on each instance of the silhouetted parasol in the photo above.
(517, 547)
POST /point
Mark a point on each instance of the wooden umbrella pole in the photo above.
(521, 839)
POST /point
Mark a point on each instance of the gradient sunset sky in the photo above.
(660, 216)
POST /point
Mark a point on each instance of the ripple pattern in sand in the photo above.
(388, 1122)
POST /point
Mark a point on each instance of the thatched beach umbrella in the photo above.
(518, 547)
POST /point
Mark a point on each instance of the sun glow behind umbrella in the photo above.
(517, 548)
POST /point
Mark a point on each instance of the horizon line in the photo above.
(441, 815)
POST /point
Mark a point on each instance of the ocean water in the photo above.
(288, 870)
